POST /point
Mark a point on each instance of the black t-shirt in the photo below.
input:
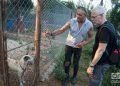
(103, 35)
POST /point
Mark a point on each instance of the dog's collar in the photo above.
(24, 69)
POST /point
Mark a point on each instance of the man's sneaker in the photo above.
(73, 80)
(65, 82)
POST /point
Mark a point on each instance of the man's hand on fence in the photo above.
(48, 34)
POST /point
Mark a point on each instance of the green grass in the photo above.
(107, 79)
(84, 62)
(59, 71)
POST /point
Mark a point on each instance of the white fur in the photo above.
(20, 66)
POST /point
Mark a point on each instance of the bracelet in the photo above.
(51, 34)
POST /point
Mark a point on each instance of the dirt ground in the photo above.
(52, 82)
(82, 80)
(14, 81)
(55, 82)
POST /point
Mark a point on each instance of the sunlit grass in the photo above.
(84, 63)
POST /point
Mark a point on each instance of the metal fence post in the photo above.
(37, 41)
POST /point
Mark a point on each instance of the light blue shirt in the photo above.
(77, 34)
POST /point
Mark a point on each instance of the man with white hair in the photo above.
(104, 41)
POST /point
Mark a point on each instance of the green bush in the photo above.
(107, 78)
(84, 62)
(85, 58)
(59, 71)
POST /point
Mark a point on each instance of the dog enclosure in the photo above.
(22, 27)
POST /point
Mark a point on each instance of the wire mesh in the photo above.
(55, 15)
(20, 27)
(20, 35)
(21, 21)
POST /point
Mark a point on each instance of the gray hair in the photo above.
(99, 10)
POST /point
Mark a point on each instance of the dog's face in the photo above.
(26, 60)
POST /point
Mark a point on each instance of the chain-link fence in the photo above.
(20, 28)
(20, 37)
(55, 15)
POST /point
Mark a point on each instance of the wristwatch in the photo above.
(91, 65)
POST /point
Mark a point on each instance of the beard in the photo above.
(81, 20)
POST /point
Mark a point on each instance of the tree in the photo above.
(115, 1)
(49, 4)
(101, 3)
(81, 3)
(69, 4)
(115, 15)
(16, 7)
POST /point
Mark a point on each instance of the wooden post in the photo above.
(1, 58)
(101, 3)
(37, 41)
(3, 46)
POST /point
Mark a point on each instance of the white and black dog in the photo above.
(20, 66)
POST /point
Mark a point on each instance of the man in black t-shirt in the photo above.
(103, 41)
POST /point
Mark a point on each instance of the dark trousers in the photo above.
(76, 53)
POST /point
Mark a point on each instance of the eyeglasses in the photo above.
(93, 17)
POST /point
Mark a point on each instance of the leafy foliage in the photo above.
(115, 15)
(59, 71)
(16, 6)
(115, 1)
(50, 4)
(84, 62)
(70, 5)
(25, 4)
(107, 78)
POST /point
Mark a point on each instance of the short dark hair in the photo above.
(82, 8)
